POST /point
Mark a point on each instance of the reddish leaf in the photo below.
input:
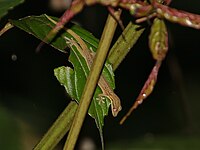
(146, 90)
(178, 16)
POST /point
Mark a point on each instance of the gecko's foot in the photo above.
(101, 99)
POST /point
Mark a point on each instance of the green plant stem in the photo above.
(58, 129)
(91, 82)
(124, 44)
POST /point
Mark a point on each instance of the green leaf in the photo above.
(39, 26)
(72, 79)
(6, 5)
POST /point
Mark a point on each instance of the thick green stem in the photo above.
(124, 43)
(91, 82)
(58, 129)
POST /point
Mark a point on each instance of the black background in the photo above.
(30, 92)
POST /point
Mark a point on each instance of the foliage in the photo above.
(6, 5)
(52, 31)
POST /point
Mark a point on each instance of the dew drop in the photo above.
(87, 144)
(144, 95)
(14, 57)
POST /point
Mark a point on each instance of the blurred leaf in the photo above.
(158, 39)
(10, 138)
(6, 5)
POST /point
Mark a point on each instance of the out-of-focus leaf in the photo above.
(178, 16)
(146, 90)
(6, 5)
(158, 39)
(9, 131)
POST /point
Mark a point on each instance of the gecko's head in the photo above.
(115, 110)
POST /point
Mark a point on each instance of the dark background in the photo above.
(31, 97)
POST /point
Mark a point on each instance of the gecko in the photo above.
(102, 83)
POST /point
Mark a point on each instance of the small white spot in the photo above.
(59, 5)
(87, 144)
(156, 33)
(14, 57)
(188, 22)
(144, 95)
(133, 8)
